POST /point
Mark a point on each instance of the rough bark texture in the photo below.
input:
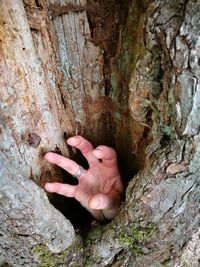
(31, 123)
(77, 67)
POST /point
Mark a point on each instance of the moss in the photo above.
(125, 240)
(94, 234)
(136, 235)
(90, 242)
(88, 262)
(48, 259)
(143, 234)
(137, 250)
(44, 256)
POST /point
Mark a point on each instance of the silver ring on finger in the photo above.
(79, 172)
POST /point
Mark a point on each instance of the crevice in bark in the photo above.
(161, 74)
(117, 28)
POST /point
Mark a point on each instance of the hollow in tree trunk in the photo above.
(120, 73)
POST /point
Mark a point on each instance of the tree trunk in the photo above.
(120, 73)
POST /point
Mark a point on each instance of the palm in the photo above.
(99, 187)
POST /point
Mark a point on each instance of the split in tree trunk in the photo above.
(120, 73)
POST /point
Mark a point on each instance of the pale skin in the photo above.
(100, 187)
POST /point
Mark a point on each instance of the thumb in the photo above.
(99, 202)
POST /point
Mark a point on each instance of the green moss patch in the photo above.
(136, 235)
(48, 259)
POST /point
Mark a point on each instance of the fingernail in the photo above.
(72, 139)
(97, 204)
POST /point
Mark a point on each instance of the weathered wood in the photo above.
(33, 120)
(155, 223)
(75, 67)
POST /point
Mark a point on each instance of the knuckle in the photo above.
(71, 168)
(109, 151)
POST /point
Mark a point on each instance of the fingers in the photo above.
(107, 154)
(67, 164)
(62, 189)
(84, 146)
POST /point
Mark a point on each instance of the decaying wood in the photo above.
(59, 9)
(71, 68)
(33, 121)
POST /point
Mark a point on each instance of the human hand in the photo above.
(100, 187)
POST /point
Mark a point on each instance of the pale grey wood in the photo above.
(33, 121)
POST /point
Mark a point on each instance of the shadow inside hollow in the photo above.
(72, 209)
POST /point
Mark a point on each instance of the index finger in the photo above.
(84, 146)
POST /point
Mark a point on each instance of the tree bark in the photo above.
(124, 74)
